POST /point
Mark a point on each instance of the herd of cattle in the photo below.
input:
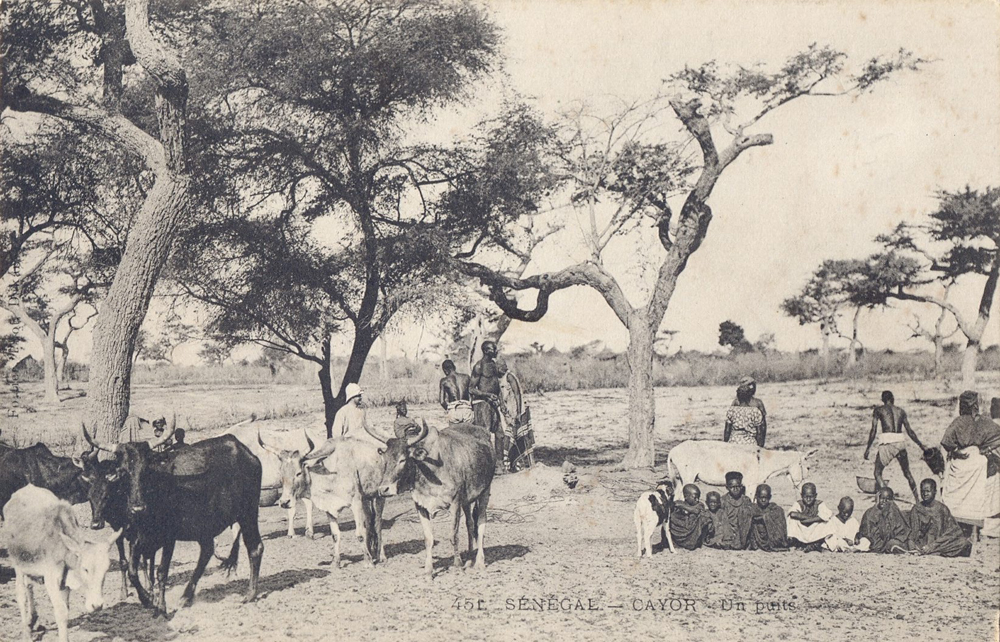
(153, 496)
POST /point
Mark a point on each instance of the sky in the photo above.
(840, 170)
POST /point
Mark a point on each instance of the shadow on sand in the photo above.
(267, 584)
(129, 621)
(442, 552)
(579, 456)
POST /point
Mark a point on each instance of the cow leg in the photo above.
(456, 523)
(205, 554)
(25, 602)
(255, 552)
(425, 523)
(335, 534)
(151, 573)
(379, 506)
(161, 578)
(361, 526)
(122, 566)
(291, 519)
(470, 527)
(310, 533)
(133, 575)
(479, 517)
(60, 602)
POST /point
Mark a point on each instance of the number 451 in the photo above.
(468, 604)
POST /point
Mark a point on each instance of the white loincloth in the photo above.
(966, 490)
(460, 412)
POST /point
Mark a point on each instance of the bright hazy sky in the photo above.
(839, 172)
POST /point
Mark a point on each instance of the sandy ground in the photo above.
(561, 562)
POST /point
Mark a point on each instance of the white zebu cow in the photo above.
(709, 461)
(43, 540)
(347, 478)
(288, 443)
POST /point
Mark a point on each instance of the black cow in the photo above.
(190, 494)
(38, 466)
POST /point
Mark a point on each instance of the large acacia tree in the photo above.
(327, 218)
(68, 60)
(622, 172)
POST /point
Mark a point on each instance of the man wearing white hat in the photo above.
(351, 420)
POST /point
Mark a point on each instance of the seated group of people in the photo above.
(733, 522)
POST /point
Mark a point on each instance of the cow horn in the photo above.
(309, 441)
(173, 423)
(93, 440)
(265, 446)
(424, 429)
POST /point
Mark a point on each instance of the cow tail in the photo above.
(368, 505)
(229, 563)
(368, 514)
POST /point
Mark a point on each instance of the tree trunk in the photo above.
(824, 350)
(852, 358)
(641, 404)
(61, 367)
(326, 385)
(50, 389)
(969, 360)
(938, 355)
(363, 342)
(128, 299)
(49, 366)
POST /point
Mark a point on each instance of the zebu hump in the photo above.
(35, 519)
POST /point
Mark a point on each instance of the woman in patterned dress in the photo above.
(746, 419)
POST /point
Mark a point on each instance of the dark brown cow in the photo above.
(37, 465)
(451, 470)
(191, 495)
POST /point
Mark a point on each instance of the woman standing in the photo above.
(746, 419)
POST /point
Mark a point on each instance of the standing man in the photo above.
(454, 394)
(351, 420)
(892, 441)
(484, 387)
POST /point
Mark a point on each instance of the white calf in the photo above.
(44, 541)
(652, 511)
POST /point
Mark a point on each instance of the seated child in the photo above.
(714, 503)
(844, 530)
(768, 531)
(690, 524)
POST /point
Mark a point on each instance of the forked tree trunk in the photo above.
(125, 307)
(641, 403)
(363, 342)
(326, 385)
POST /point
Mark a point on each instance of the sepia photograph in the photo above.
(444, 320)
